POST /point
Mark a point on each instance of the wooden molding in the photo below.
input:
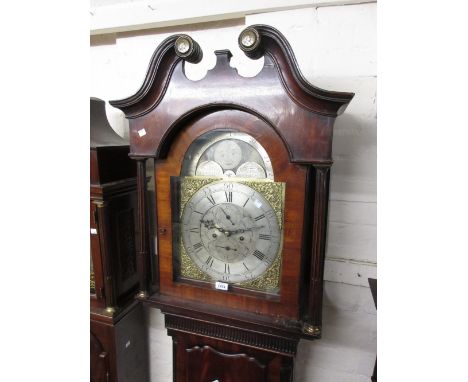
(142, 242)
(281, 345)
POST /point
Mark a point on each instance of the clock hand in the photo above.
(210, 224)
(227, 216)
(242, 230)
(227, 248)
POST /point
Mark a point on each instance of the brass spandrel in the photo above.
(189, 186)
(188, 268)
(273, 192)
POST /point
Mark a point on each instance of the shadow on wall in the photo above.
(345, 353)
(354, 154)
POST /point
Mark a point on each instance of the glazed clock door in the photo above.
(225, 194)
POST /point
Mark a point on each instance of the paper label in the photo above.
(93, 231)
(141, 132)
(221, 286)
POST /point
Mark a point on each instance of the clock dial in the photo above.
(230, 231)
(228, 154)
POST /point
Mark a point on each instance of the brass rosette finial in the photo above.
(249, 42)
(188, 49)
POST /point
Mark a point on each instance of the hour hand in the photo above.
(210, 224)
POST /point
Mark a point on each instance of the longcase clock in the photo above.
(241, 168)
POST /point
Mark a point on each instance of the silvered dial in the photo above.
(230, 231)
(228, 154)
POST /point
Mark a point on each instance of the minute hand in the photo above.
(242, 230)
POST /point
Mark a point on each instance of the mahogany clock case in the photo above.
(293, 120)
(289, 116)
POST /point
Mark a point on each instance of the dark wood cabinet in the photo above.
(241, 170)
(100, 366)
(119, 350)
(115, 316)
(113, 202)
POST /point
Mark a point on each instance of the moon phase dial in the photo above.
(227, 154)
(230, 231)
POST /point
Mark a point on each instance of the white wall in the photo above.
(336, 49)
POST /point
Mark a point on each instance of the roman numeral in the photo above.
(246, 267)
(228, 196)
(264, 237)
(197, 247)
(209, 261)
(246, 202)
(195, 230)
(259, 217)
(198, 212)
(259, 255)
(226, 268)
(211, 199)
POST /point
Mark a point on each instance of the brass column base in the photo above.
(110, 310)
(142, 294)
(312, 330)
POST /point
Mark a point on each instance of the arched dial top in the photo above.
(231, 211)
(227, 153)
